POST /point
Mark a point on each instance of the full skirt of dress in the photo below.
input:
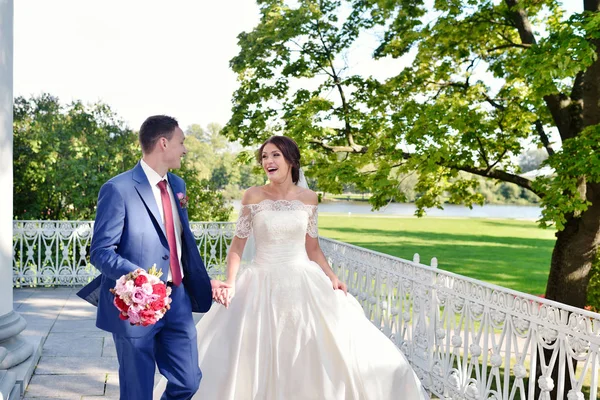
(287, 335)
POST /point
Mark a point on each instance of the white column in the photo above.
(6, 155)
(13, 348)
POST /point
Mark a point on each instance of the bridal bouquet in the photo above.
(141, 297)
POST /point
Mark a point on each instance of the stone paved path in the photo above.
(78, 360)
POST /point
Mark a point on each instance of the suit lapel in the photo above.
(176, 189)
(145, 191)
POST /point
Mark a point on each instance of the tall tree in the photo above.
(196, 131)
(217, 140)
(63, 154)
(483, 79)
(219, 177)
(205, 201)
(199, 156)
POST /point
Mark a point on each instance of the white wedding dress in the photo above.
(287, 335)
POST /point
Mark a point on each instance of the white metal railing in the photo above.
(57, 252)
(466, 339)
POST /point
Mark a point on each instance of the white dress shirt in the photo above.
(154, 178)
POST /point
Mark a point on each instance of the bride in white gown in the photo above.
(289, 330)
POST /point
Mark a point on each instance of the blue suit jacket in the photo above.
(129, 233)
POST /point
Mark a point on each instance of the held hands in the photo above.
(337, 284)
(222, 292)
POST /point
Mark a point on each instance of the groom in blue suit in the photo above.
(140, 221)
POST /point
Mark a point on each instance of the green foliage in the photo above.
(219, 177)
(206, 203)
(470, 86)
(578, 162)
(470, 98)
(63, 155)
(199, 156)
(228, 169)
(495, 192)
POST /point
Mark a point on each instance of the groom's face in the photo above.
(175, 149)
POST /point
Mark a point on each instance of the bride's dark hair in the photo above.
(290, 151)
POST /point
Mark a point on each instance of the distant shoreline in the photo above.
(491, 211)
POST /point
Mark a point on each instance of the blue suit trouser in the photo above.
(171, 345)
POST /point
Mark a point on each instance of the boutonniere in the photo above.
(183, 200)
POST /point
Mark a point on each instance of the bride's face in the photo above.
(274, 163)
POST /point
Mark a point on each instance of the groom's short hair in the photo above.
(154, 128)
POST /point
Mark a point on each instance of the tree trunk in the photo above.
(574, 253)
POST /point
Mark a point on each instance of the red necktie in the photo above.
(170, 227)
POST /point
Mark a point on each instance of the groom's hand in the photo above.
(224, 295)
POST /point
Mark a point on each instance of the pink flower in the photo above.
(124, 285)
(147, 288)
(139, 296)
(183, 200)
(134, 316)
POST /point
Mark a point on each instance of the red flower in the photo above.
(147, 314)
(160, 289)
(157, 305)
(140, 280)
(149, 308)
(121, 305)
(150, 321)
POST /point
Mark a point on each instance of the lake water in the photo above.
(450, 210)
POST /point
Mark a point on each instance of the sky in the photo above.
(141, 57)
(145, 57)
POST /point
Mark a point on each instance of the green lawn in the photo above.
(509, 253)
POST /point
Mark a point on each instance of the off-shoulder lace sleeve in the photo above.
(313, 230)
(243, 228)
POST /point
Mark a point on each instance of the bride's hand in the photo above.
(228, 294)
(337, 284)
(223, 296)
(216, 284)
(217, 290)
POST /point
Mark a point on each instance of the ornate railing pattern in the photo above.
(51, 253)
(471, 340)
(57, 252)
(466, 339)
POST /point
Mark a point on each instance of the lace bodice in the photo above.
(248, 213)
(279, 227)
